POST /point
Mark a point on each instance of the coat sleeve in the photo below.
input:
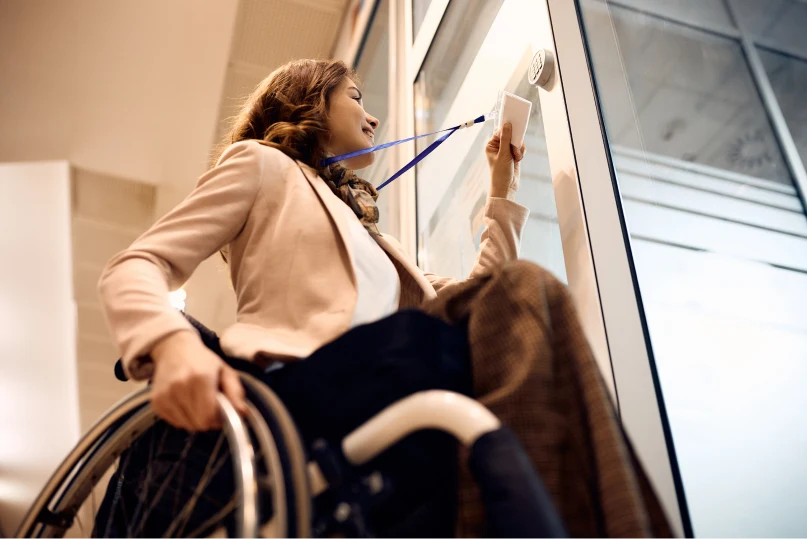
(501, 240)
(135, 284)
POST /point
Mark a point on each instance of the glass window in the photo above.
(788, 76)
(462, 31)
(719, 242)
(419, 9)
(779, 23)
(373, 71)
(480, 48)
(690, 94)
(712, 13)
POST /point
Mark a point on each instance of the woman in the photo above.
(308, 264)
(265, 205)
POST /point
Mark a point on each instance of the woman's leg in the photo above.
(534, 369)
(348, 381)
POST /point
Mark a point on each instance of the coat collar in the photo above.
(334, 207)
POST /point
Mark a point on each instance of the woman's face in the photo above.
(350, 127)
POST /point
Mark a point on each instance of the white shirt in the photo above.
(379, 287)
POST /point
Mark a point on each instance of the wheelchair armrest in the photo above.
(451, 412)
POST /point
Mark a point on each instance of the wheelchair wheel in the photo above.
(166, 482)
(292, 509)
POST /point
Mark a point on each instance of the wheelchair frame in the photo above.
(74, 479)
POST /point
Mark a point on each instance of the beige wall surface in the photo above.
(39, 409)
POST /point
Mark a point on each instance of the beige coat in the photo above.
(290, 260)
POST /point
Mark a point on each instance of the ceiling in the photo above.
(136, 88)
(270, 33)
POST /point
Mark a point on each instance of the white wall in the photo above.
(39, 413)
(108, 214)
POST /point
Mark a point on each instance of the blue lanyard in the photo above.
(418, 158)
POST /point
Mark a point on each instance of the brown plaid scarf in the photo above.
(358, 194)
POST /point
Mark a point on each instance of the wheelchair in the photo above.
(259, 477)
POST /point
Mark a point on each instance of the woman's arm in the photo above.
(504, 219)
(155, 339)
(134, 285)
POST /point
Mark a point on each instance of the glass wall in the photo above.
(706, 126)
(718, 235)
(372, 67)
(788, 76)
(451, 55)
(481, 47)
(691, 96)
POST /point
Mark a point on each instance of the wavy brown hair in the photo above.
(289, 109)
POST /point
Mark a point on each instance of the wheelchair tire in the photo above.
(55, 509)
(291, 453)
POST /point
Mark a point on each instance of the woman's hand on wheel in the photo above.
(187, 378)
(504, 159)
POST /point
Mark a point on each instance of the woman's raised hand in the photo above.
(503, 159)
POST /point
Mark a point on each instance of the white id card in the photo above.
(516, 110)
